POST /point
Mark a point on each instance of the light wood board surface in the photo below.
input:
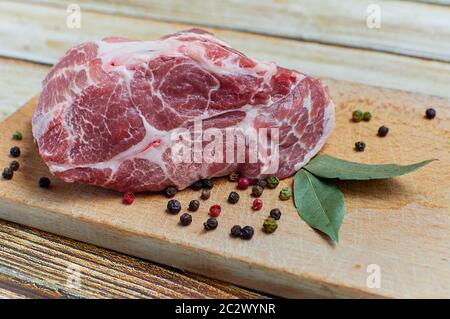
(401, 225)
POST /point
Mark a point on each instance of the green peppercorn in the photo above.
(233, 198)
(285, 193)
(185, 219)
(357, 116)
(257, 191)
(7, 173)
(197, 186)
(170, 191)
(261, 182)
(173, 206)
(14, 165)
(360, 146)
(367, 116)
(194, 205)
(207, 183)
(234, 176)
(270, 225)
(17, 136)
(206, 194)
(210, 224)
(275, 213)
(272, 181)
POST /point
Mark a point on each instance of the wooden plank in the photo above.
(45, 37)
(401, 225)
(410, 28)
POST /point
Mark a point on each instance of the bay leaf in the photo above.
(319, 203)
(327, 166)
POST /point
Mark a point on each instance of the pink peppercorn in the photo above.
(215, 210)
(128, 198)
(243, 183)
(257, 204)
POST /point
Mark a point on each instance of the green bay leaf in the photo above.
(327, 166)
(319, 203)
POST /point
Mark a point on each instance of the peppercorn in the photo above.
(185, 219)
(8, 173)
(173, 206)
(382, 131)
(210, 224)
(272, 181)
(14, 165)
(257, 204)
(367, 116)
(170, 191)
(14, 151)
(247, 232)
(16, 136)
(357, 116)
(206, 194)
(275, 213)
(128, 197)
(194, 205)
(215, 210)
(430, 113)
(261, 182)
(207, 183)
(270, 225)
(233, 198)
(243, 183)
(197, 186)
(285, 193)
(257, 191)
(360, 146)
(44, 182)
(234, 176)
(236, 231)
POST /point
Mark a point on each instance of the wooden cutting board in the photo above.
(398, 229)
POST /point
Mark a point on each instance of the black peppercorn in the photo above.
(170, 191)
(262, 183)
(257, 191)
(210, 224)
(206, 194)
(44, 182)
(247, 232)
(430, 113)
(207, 183)
(14, 151)
(185, 219)
(233, 198)
(382, 131)
(14, 165)
(173, 206)
(360, 146)
(194, 205)
(7, 173)
(197, 186)
(236, 231)
(275, 213)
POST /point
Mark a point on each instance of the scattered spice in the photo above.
(261, 182)
(234, 176)
(360, 146)
(206, 194)
(215, 210)
(233, 198)
(207, 183)
(247, 232)
(257, 204)
(430, 113)
(44, 182)
(382, 131)
(194, 205)
(236, 231)
(16, 136)
(7, 173)
(357, 116)
(243, 183)
(170, 191)
(185, 219)
(367, 116)
(197, 186)
(173, 206)
(270, 225)
(257, 191)
(275, 213)
(210, 224)
(14, 165)
(272, 181)
(285, 193)
(14, 151)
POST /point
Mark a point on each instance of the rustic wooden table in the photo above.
(410, 51)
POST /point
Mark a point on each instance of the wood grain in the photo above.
(402, 224)
(44, 37)
(410, 28)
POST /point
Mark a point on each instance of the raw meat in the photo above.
(109, 109)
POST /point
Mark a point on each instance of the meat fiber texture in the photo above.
(108, 110)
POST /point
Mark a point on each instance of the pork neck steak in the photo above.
(108, 110)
